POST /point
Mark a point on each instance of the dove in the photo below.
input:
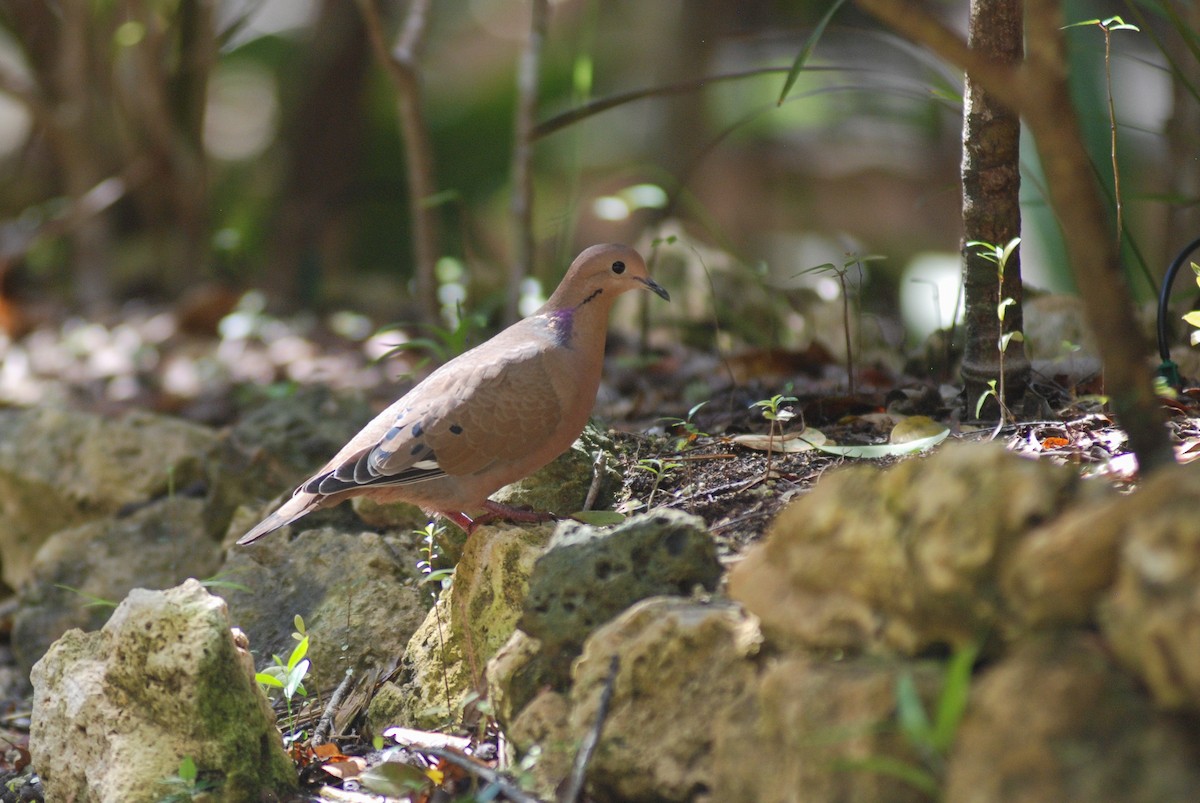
(490, 416)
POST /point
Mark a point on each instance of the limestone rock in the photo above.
(359, 594)
(1056, 721)
(61, 468)
(1057, 573)
(389, 516)
(158, 546)
(682, 664)
(588, 575)
(1150, 615)
(115, 711)
(902, 559)
(541, 729)
(812, 731)
(472, 619)
(517, 673)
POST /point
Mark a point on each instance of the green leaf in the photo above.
(1007, 251)
(295, 678)
(267, 679)
(952, 702)
(394, 779)
(187, 769)
(910, 711)
(802, 57)
(896, 768)
(878, 450)
(598, 518)
(298, 652)
(92, 600)
(437, 576)
(215, 583)
(984, 397)
(1009, 336)
(1118, 24)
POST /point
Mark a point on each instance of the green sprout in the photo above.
(660, 470)
(287, 677)
(774, 411)
(999, 255)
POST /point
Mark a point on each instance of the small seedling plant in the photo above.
(186, 784)
(659, 469)
(773, 410)
(853, 260)
(287, 677)
(437, 580)
(442, 343)
(1193, 317)
(1108, 26)
(931, 734)
(999, 256)
(686, 431)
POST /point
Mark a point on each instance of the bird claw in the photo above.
(496, 511)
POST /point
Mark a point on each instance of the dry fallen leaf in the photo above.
(791, 442)
(915, 428)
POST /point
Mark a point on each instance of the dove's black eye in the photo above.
(618, 267)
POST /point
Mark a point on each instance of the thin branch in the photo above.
(1002, 80)
(402, 64)
(588, 747)
(594, 107)
(522, 164)
(325, 723)
(598, 466)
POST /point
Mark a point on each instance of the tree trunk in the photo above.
(321, 158)
(991, 183)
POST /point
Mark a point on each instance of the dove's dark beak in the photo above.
(656, 288)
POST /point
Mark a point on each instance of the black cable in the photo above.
(1169, 369)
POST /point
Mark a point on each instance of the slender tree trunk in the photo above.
(321, 159)
(991, 184)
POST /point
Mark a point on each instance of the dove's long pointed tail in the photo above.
(300, 504)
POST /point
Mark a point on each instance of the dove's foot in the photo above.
(494, 511)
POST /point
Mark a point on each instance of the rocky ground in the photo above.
(766, 617)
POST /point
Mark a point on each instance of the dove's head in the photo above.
(601, 273)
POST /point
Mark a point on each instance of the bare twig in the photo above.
(402, 64)
(587, 749)
(592, 108)
(422, 740)
(597, 477)
(16, 239)
(522, 163)
(321, 732)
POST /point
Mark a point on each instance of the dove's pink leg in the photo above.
(497, 511)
